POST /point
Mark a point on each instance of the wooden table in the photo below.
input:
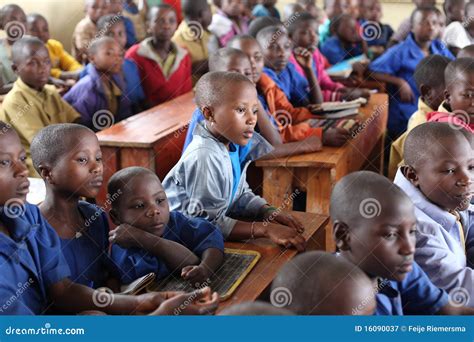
(273, 258)
(153, 139)
(316, 173)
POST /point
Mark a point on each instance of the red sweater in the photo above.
(157, 87)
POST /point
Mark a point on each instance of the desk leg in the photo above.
(376, 157)
(277, 186)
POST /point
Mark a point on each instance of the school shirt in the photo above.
(60, 59)
(416, 294)
(334, 51)
(195, 42)
(295, 86)
(6, 72)
(261, 11)
(225, 29)
(130, 31)
(31, 261)
(455, 35)
(396, 149)
(401, 61)
(87, 253)
(159, 84)
(28, 110)
(383, 33)
(83, 34)
(438, 242)
(198, 235)
(90, 97)
(203, 175)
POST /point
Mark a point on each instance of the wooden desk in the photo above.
(316, 173)
(153, 139)
(273, 258)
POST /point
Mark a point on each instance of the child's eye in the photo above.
(23, 159)
(160, 200)
(138, 205)
(5, 163)
(450, 171)
(82, 160)
(258, 58)
(412, 231)
(98, 159)
(241, 110)
(391, 236)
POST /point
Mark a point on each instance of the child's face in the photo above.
(163, 24)
(425, 26)
(80, 171)
(352, 8)
(335, 8)
(16, 14)
(13, 172)
(347, 31)
(278, 53)
(375, 11)
(253, 51)
(34, 67)
(108, 58)
(460, 94)
(234, 118)
(240, 65)
(40, 29)
(233, 8)
(306, 35)
(384, 246)
(96, 9)
(117, 32)
(115, 6)
(144, 205)
(455, 12)
(446, 177)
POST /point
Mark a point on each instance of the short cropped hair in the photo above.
(218, 59)
(122, 179)
(430, 71)
(457, 69)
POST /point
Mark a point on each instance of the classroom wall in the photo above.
(63, 15)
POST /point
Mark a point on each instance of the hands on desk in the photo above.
(349, 94)
(199, 302)
(335, 137)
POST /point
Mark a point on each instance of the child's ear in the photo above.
(410, 173)
(447, 96)
(45, 173)
(425, 91)
(15, 68)
(114, 217)
(208, 113)
(341, 235)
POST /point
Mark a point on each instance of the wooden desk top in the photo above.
(144, 129)
(330, 156)
(272, 259)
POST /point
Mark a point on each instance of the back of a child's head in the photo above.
(193, 9)
(218, 60)
(260, 23)
(107, 21)
(430, 71)
(458, 70)
(257, 308)
(320, 283)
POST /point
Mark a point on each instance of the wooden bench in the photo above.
(316, 173)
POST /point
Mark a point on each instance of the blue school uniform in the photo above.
(87, 253)
(130, 31)
(261, 11)
(31, 260)
(335, 53)
(401, 61)
(292, 83)
(383, 33)
(196, 234)
(416, 294)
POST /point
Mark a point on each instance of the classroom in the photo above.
(237, 157)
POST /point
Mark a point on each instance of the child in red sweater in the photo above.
(165, 68)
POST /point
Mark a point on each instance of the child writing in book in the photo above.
(150, 238)
(201, 185)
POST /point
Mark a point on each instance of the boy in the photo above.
(100, 93)
(115, 8)
(150, 238)
(165, 68)
(201, 185)
(333, 9)
(192, 34)
(276, 48)
(324, 284)
(228, 21)
(63, 65)
(374, 228)
(86, 29)
(397, 65)
(68, 158)
(439, 178)
(454, 10)
(429, 79)
(30, 255)
(31, 104)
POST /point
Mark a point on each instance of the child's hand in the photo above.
(125, 235)
(285, 236)
(199, 302)
(359, 68)
(350, 94)
(149, 302)
(335, 137)
(303, 57)
(312, 144)
(406, 94)
(195, 274)
(284, 219)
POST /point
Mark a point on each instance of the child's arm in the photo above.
(211, 260)
(305, 60)
(308, 145)
(267, 129)
(173, 254)
(405, 92)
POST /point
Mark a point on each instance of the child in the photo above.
(429, 80)
(454, 10)
(374, 228)
(346, 290)
(376, 34)
(13, 22)
(302, 31)
(260, 23)
(209, 180)
(334, 9)
(276, 48)
(275, 102)
(31, 255)
(86, 29)
(68, 158)
(228, 21)
(291, 11)
(100, 93)
(310, 7)
(31, 104)
(192, 34)
(266, 8)
(150, 238)
(346, 41)
(115, 8)
(63, 65)
(438, 178)
(165, 68)
(137, 15)
(397, 65)
(458, 35)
